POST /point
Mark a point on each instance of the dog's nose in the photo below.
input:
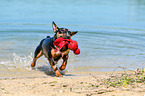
(65, 37)
(68, 36)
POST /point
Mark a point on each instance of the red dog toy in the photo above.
(72, 45)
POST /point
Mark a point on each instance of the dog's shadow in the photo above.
(49, 71)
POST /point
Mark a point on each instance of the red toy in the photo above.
(72, 45)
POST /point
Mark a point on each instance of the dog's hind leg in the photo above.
(38, 53)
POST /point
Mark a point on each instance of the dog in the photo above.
(47, 48)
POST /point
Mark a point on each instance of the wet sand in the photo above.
(86, 84)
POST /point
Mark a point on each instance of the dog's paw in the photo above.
(33, 68)
(59, 75)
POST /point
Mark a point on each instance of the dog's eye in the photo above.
(60, 32)
(69, 32)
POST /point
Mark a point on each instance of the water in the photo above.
(111, 33)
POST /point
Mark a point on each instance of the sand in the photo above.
(85, 84)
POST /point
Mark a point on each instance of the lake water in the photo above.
(111, 34)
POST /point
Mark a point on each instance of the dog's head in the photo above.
(62, 32)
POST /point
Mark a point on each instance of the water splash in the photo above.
(22, 61)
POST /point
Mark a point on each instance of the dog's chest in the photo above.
(55, 53)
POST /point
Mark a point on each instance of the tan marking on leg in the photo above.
(63, 65)
(34, 60)
(57, 73)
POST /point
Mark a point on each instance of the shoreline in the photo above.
(86, 84)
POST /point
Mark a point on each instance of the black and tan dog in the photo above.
(47, 48)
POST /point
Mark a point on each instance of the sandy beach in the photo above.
(86, 84)
(110, 34)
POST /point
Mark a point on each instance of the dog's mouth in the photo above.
(61, 44)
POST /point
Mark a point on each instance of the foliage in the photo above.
(126, 80)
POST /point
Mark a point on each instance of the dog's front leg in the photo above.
(63, 65)
(55, 69)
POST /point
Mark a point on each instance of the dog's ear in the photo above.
(73, 33)
(55, 28)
